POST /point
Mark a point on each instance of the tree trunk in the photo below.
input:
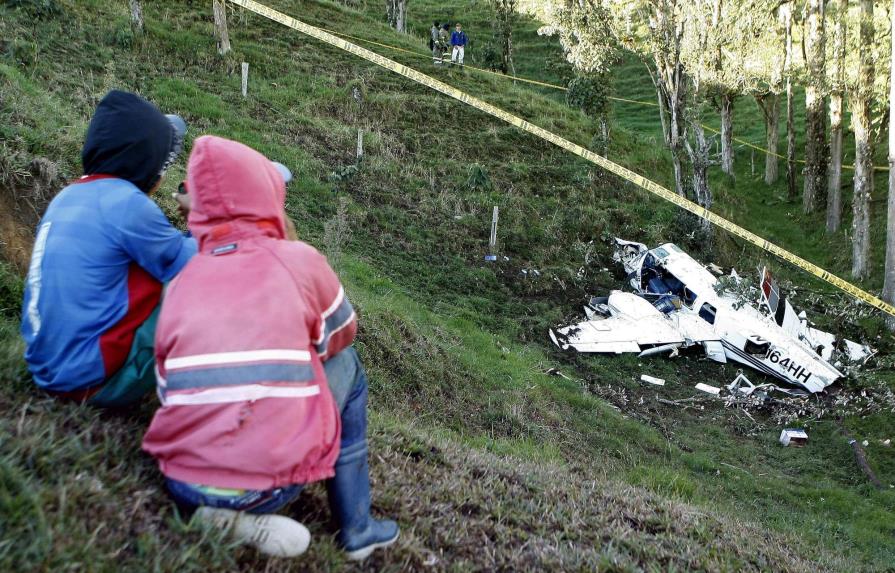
(815, 118)
(860, 105)
(834, 183)
(699, 158)
(604, 134)
(675, 139)
(727, 133)
(220, 27)
(770, 109)
(790, 128)
(662, 112)
(396, 12)
(889, 277)
(136, 16)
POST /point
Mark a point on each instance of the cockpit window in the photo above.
(660, 252)
(675, 248)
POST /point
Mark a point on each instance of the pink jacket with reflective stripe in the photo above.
(242, 336)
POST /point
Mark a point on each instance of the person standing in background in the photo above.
(434, 34)
(458, 41)
(444, 41)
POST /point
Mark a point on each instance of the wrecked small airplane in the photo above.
(679, 303)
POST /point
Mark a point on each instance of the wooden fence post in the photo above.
(220, 27)
(136, 16)
(360, 144)
(492, 243)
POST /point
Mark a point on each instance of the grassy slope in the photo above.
(464, 423)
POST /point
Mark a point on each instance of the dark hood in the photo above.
(129, 138)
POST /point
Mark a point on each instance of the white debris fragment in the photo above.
(652, 380)
(865, 443)
(710, 389)
(793, 437)
(741, 385)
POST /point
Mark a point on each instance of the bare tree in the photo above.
(860, 101)
(396, 12)
(136, 16)
(815, 118)
(837, 86)
(762, 38)
(504, 20)
(671, 80)
(889, 278)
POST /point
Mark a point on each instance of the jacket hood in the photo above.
(236, 193)
(129, 138)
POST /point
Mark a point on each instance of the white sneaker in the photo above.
(274, 535)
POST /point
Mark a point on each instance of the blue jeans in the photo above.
(348, 384)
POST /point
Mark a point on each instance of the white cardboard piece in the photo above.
(793, 437)
(709, 389)
(652, 380)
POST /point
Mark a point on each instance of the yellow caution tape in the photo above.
(599, 160)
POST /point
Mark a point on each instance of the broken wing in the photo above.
(632, 325)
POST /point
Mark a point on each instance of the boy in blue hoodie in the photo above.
(102, 252)
(458, 41)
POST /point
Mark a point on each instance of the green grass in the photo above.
(487, 462)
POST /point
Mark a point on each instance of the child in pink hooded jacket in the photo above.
(261, 391)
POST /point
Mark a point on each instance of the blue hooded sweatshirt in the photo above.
(102, 251)
(458, 38)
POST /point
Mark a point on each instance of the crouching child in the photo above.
(102, 253)
(260, 389)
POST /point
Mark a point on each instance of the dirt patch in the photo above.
(23, 198)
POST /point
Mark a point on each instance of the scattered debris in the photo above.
(556, 372)
(794, 437)
(709, 389)
(860, 456)
(652, 380)
(678, 303)
(682, 403)
(741, 385)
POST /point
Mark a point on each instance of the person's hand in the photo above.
(184, 204)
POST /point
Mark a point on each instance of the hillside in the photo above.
(486, 460)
